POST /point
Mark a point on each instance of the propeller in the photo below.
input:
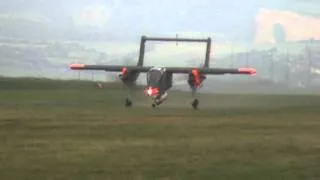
(181, 79)
(127, 60)
(113, 76)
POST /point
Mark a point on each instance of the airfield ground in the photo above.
(72, 130)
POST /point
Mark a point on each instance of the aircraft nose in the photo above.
(151, 91)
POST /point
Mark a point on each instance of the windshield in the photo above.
(153, 78)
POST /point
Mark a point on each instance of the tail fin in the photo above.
(141, 57)
(142, 51)
(208, 51)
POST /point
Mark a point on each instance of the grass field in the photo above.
(71, 130)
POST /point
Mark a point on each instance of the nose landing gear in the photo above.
(156, 102)
(159, 99)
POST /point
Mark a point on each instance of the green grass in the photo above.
(71, 130)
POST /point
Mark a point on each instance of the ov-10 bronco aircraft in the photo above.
(159, 79)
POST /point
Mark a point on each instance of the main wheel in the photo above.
(195, 103)
(153, 105)
(128, 103)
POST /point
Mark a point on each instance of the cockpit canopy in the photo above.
(154, 77)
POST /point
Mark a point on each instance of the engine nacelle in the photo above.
(127, 77)
(124, 74)
(195, 79)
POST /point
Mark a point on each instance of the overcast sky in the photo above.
(234, 18)
(230, 19)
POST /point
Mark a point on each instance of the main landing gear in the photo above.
(195, 103)
(195, 82)
(128, 100)
(128, 103)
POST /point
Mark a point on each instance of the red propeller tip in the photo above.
(77, 66)
(151, 91)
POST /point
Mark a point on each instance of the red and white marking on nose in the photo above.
(151, 91)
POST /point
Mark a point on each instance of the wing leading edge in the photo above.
(111, 68)
(178, 70)
(213, 71)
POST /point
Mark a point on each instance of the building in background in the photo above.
(294, 26)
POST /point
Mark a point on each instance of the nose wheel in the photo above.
(155, 103)
(195, 104)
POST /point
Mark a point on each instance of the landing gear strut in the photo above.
(195, 101)
(128, 100)
(129, 80)
(195, 82)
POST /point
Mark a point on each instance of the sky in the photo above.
(232, 20)
(166, 16)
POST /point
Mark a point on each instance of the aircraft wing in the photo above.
(111, 68)
(178, 70)
(213, 71)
